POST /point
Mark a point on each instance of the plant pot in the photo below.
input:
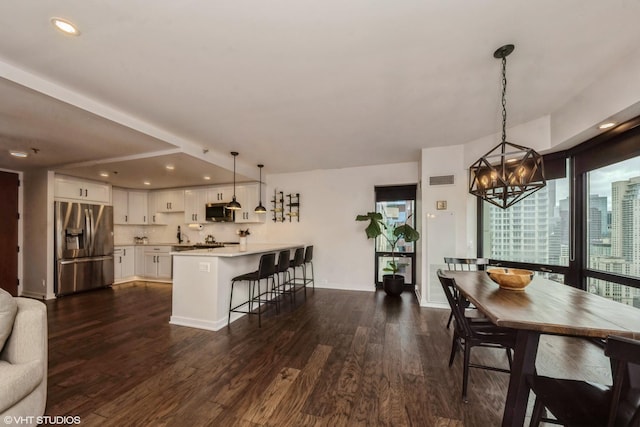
(393, 284)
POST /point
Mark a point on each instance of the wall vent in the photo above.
(441, 180)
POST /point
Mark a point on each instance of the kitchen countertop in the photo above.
(234, 250)
(170, 244)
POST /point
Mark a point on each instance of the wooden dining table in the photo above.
(543, 307)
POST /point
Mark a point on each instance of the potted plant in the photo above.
(391, 283)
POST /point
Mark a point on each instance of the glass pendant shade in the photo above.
(260, 209)
(509, 172)
(233, 204)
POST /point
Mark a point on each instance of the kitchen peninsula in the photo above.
(202, 282)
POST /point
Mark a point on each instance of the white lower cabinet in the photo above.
(142, 262)
(124, 263)
(157, 262)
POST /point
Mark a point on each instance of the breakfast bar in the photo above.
(202, 281)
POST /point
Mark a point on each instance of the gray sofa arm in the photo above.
(28, 339)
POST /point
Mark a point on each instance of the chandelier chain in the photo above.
(504, 98)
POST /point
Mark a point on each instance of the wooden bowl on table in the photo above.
(513, 279)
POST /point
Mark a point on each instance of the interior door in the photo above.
(9, 222)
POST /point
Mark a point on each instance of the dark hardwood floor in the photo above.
(339, 359)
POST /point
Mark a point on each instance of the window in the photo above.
(535, 233)
(613, 218)
(585, 234)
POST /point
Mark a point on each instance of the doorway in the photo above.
(397, 205)
(9, 183)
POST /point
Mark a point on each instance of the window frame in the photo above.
(617, 144)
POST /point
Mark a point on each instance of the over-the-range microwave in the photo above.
(218, 212)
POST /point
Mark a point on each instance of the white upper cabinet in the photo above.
(169, 201)
(220, 194)
(138, 207)
(155, 217)
(194, 205)
(78, 189)
(120, 206)
(248, 195)
(130, 207)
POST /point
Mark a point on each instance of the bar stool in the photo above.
(282, 271)
(266, 270)
(308, 260)
(297, 283)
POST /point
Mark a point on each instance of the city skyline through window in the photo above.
(613, 228)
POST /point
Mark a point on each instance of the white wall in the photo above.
(343, 258)
(615, 95)
(445, 232)
(38, 234)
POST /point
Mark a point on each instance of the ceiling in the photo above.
(296, 85)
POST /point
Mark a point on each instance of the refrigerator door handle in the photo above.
(87, 232)
(92, 232)
(87, 259)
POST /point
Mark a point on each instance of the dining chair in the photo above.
(466, 264)
(582, 403)
(467, 334)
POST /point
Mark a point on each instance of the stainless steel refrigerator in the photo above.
(84, 247)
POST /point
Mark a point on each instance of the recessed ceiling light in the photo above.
(146, 183)
(206, 178)
(104, 174)
(16, 153)
(65, 26)
(607, 125)
(170, 167)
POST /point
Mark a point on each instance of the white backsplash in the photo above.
(222, 232)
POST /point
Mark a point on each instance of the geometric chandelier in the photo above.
(509, 172)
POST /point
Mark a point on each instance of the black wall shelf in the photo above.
(294, 206)
(278, 206)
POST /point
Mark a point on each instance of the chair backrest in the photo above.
(267, 265)
(456, 304)
(625, 360)
(308, 254)
(466, 263)
(284, 260)
(298, 258)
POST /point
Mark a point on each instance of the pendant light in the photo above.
(260, 209)
(509, 172)
(233, 204)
